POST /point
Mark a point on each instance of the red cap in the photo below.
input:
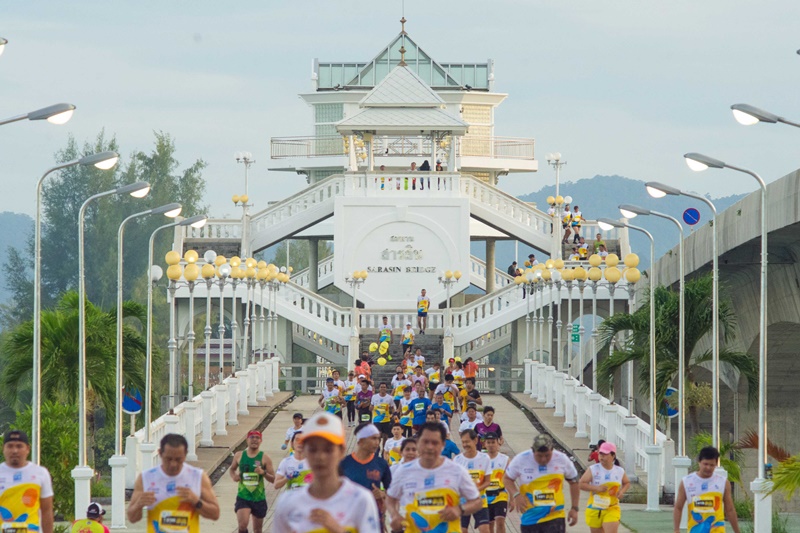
(253, 432)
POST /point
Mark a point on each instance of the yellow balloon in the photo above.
(595, 274)
(631, 260)
(373, 347)
(381, 361)
(458, 359)
(172, 257)
(632, 275)
(612, 274)
(385, 345)
(595, 260)
(612, 260)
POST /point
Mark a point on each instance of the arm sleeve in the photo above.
(570, 472)
(395, 490)
(511, 470)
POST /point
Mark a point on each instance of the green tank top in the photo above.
(251, 484)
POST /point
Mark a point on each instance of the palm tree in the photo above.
(636, 348)
(60, 353)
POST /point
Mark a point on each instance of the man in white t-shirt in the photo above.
(19, 477)
(419, 496)
(297, 426)
(423, 304)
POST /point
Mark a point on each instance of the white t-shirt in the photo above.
(29, 474)
(574, 257)
(424, 308)
(437, 377)
(478, 417)
(479, 468)
(383, 408)
(352, 506)
(466, 424)
(349, 390)
(338, 384)
(291, 431)
(296, 471)
(164, 486)
(411, 483)
(393, 446)
(543, 485)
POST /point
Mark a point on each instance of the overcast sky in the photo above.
(618, 87)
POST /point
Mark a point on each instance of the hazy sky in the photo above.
(619, 87)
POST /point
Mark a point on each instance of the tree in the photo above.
(636, 348)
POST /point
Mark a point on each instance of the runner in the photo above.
(408, 337)
(406, 417)
(349, 394)
(22, 478)
(472, 418)
(93, 523)
(423, 304)
(540, 474)
(470, 395)
(364, 402)
(337, 380)
(496, 494)
(450, 392)
(708, 495)
(385, 332)
(408, 452)
(434, 375)
(488, 426)
(297, 426)
(391, 450)
(367, 468)
(458, 375)
(442, 410)
(419, 359)
(477, 464)
(426, 492)
(330, 502)
(331, 398)
(382, 410)
(399, 382)
(606, 483)
(419, 377)
(177, 494)
(249, 469)
(293, 471)
(419, 408)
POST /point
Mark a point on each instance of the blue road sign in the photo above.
(132, 402)
(670, 405)
(691, 216)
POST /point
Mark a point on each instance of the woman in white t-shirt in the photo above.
(330, 502)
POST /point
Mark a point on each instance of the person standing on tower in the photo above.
(21, 478)
(423, 304)
(249, 469)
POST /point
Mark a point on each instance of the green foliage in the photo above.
(731, 456)
(59, 448)
(744, 508)
(699, 395)
(786, 476)
(698, 324)
(101, 489)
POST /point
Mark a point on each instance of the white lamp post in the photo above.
(118, 461)
(102, 160)
(54, 114)
(760, 486)
(748, 115)
(223, 272)
(82, 473)
(207, 272)
(3, 43)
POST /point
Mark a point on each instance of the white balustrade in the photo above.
(233, 402)
(252, 384)
(569, 402)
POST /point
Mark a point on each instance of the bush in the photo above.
(101, 489)
(744, 509)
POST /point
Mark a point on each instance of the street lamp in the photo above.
(82, 473)
(653, 450)
(54, 114)
(118, 461)
(102, 160)
(760, 485)
(223, 271)
(3, 43)
(748, 115)
(448, 279)
(207, 273)
(190, 273)
(153, 275)
(594, 275)
(659, 190)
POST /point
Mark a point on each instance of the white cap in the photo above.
(324, 425)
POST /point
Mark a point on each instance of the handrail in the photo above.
(314, 195)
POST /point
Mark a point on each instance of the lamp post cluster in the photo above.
(448, 278)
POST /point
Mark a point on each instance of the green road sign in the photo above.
(576, 328)
(576, 338)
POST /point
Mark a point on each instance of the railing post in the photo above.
(550, 382)
(630, 423)
(147, 449)
(190, 431)
(132, 453)
(221, 393)
(252, 391)
(653, 476)
(535, 380)
(569, 402)
(265, 371)
(610, 411)
(206, 439)
(669, 473)
(594, 421)
(542, 371)
(243, 376)
(581, 398)
(172, 423)
(528, 388)
(558, 391)
(275, 373)
(233, 395)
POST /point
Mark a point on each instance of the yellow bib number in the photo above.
(544, 498)
(174, 521)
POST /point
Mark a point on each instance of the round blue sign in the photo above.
(132, 402)
(670, 406)
(691, 216)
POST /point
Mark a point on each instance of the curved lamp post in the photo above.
(761, 486)
(659, 190)
(118, 461)
(207, 272)
(653, 450)
(103, 161)
(82, 473)
(3, 43)
(54, 114)
(748, 115)
(147, 448)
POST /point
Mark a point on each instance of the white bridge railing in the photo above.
(205, 416)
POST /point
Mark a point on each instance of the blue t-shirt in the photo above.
(376, 471)
(419, 406)
(450, 449)
(446, 412)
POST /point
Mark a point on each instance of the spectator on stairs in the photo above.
(566, 217)
(385, 331)
(531, 262)
(575, 224)
(598, 242)
(470, 368)
(434, 377)
(512, 269)
(603, 253)
(583, 249)
(574, 256)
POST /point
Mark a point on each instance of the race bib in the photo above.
(15, 527)
(422, 515)
(365, 417)
(250, 480)
(703, 504)
(174, 521)
(544, 498)
(601, 502)
(173, 516)
(419, 408)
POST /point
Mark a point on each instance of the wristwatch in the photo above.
(199, 504)
(461, 509)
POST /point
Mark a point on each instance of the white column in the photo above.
(534, 379)
(132, 453)
(669, 469)
(581, 398)
(172, 423)
(117, 464)
(594, 421)
(549, 384)
(558, 391)
(83, 476)
(448, 347)
(611, 422)
(233, 400)
(528, 389)
(763, 504)
(275, 373)
(206, 439)
(252, 391)
(569, 402)
(653, 477)
(630, 423)
(542, 372)
(263, 381)
(190, 421)
(244, 383)
(221, 395)
(147, 449)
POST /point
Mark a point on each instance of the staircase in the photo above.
(431, 346)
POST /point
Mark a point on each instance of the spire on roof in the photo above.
(403, 25)
(402, 57)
